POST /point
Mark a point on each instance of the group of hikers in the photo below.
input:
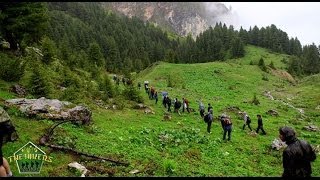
(297, 156)
(208, 116)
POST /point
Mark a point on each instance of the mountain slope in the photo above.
(181, 146)
(180, 17)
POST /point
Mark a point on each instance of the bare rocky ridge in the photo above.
(180, 17)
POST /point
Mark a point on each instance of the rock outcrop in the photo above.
(311, 128)
(272, 112)
(19, 90)
(4, 116)
(278, 144)
(51, 109)
(181, 17)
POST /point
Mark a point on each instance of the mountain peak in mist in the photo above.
(181, 17)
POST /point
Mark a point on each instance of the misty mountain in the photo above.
(179, 17)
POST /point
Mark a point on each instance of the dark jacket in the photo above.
(260, 122)
(297, 156)
(210, 117)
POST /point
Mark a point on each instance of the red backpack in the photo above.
(227, 121)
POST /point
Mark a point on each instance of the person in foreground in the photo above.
(297, 156)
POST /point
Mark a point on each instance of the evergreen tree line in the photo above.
(84, 35)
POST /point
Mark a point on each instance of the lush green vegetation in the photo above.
(182, 147)
(69, 55)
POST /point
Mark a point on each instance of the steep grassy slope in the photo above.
(182, 147)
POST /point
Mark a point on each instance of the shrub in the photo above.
(262, 65)
(48, 50)
(39, 84)
(255, 100)
(169, 166)
(72, 94)
(131, 93)
(11, 69)
(265, 77)
(272, 65)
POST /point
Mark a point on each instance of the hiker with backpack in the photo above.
(222, 117)
(152, 90)
(177, 105)
(164, 96)
(156, 96)
(260, 125)
(208, 118)
(227, 128)
(185, 105)
(247, 121)
(297, 156)
(209, 107)
(146, 86)
(168, 102)
(201, 109)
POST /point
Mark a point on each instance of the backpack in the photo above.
(227, 121)
(248, 120)
(178, 104)
(206, 118)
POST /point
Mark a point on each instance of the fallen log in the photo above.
(44, 141)
(85, 154)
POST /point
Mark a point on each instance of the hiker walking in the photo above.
(247, 121)
(156, 96)
(146, 86)
(139, 85)
(297, 156)
(222, 118)
(152, 90)
(210, 119)
(201, 109)
(260, 125)
(164, 96)
(168, 102)
(209, 107)
(177, 105)
(227, 128)
(185, 105)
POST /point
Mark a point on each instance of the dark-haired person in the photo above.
(210, 121)
(247, 121)
(297, 156)
(185, 103)
(227, 125)
(156, 96)
(201, 109)
(209, 107)
(177, 105)
(168, 102)
(260, 125)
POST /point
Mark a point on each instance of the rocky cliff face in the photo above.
(180, 17)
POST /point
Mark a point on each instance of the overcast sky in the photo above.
(297, 19)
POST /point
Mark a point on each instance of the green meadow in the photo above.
(181, 146)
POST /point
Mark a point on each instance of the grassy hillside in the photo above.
(182, 147)
(254, 53)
